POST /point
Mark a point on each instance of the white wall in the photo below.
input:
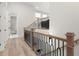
(24, 13)
(64, 17)
(3, 25)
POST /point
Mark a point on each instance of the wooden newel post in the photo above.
(70, 43)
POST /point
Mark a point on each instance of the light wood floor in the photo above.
(17, 47)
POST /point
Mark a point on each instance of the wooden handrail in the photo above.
(51, 36)
(48, 35)
(76, 41)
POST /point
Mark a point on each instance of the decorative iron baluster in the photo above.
(52, 46)
(63, 48)
(46, 45)
(58, 49)
(55, 46)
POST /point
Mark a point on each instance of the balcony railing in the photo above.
(48, 45)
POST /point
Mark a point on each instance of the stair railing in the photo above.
(48, 45)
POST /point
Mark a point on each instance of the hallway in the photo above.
(17, 47)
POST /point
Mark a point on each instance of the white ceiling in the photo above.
(40, 6)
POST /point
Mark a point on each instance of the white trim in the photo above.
(14, 36)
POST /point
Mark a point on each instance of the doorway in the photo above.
(13, 26)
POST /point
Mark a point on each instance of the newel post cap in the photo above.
(70, 34)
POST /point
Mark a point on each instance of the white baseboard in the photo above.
(2, 49)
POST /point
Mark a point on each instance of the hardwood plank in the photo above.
(17, 47)
(28, 51)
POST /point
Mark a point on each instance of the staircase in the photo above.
(36, 24)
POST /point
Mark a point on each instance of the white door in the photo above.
(3, 26)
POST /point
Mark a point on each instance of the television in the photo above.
(45, 24)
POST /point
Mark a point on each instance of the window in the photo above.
(44, 15)
(38, 15)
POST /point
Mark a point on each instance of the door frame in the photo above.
(14, 35)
